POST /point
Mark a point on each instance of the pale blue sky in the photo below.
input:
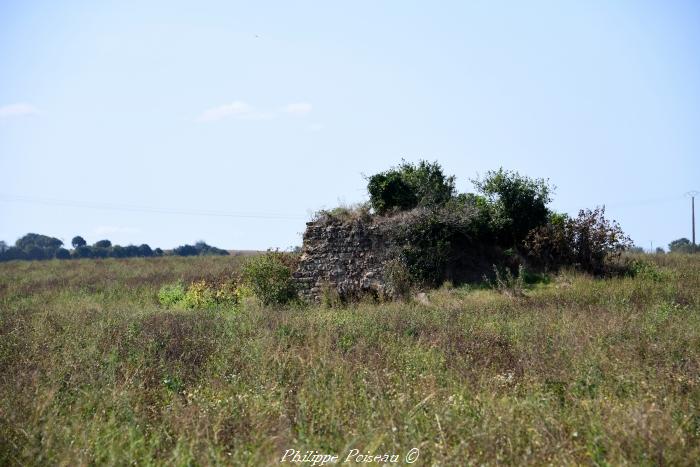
(278, 108)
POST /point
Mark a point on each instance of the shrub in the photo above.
(269, 276)
(519, 203)
(589, 242)
(408, 186)
(200, 294)
(646, 270)
(171, 294)
(438, 244)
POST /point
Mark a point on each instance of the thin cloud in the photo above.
(235, 109)
(298, 109)
(242, 111)
(18, 110)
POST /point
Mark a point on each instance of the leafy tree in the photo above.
(78, 241)
(408, 186)
(185, 250)
(117, 251)
(100, 252)
(38, 240)
(131, 251)
(519, 203)
(103, 244)
(145, 251)
(157, 252)
(82, 251)
(682, 245)
(34, 252)
(12, 253)
(208, 250)
(62, 253)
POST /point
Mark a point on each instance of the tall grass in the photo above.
(93, 370)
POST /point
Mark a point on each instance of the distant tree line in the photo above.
(40, 247)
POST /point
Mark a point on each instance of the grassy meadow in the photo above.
(94, 370)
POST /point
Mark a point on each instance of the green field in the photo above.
(93, 370)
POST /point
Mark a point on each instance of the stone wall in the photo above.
(347, 256)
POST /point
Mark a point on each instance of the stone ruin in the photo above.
(345, 256)
(351, 255)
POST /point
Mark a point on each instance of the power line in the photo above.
(147, 209)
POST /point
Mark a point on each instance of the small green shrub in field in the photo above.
(199, 295)
(645, 270)
(171, 294)
(269, 277)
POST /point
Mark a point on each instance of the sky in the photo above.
(168, 122)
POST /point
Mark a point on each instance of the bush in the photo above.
(440, 244)
(269, 277)
(408, 186)
(589, 242)
(171, 294)
(645, 270)
(518, 204)
(200, 294)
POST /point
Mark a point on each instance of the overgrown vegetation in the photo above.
(94, 369)
(408, 186)
(269, 277)
(440, 235)
(201, 294)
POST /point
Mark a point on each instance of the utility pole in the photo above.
(692, 195)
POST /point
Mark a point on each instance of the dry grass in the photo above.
(578, 371)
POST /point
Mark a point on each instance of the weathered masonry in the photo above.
(346, 256)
